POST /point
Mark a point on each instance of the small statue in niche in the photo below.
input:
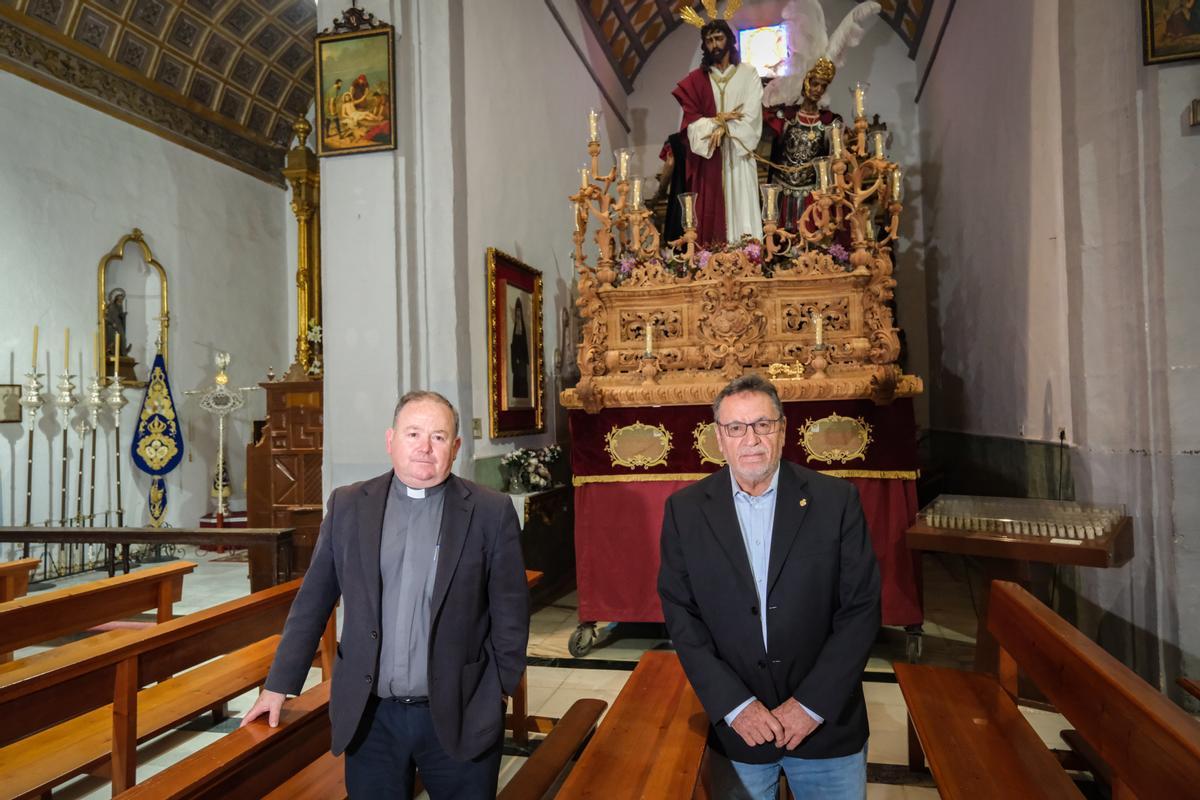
(114, 323)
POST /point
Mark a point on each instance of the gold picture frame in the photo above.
(355, 86)
(516, 361)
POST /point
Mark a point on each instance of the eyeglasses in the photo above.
(762, 427)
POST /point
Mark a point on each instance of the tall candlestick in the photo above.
(116, 353)
(593, 125)
(35, 335)
(835, 136)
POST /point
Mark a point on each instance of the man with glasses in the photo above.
(770, 591)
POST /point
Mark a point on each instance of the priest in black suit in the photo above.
(770, 591)
(436, 618)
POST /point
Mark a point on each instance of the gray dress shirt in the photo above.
(408, 550)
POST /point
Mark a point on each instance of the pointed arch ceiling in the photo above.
(224, 77)
(629, 30)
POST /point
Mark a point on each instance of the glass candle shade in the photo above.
(621, 158)
(687, 201)
(593, 125)
(635, 198)
(859, 92)
(877, 145)
(770, 201)
(823, 172)
(835, 141)
(897, 185)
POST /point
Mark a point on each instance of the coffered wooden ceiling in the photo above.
(631, 29)
(226, 77)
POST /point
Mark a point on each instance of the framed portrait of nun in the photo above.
(516, 382)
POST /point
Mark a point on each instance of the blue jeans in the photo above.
(842, 778)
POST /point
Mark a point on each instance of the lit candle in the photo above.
(593, 125)
(649, 338)
(585, 177)
(835, 137)
(116, 352)
(859, 90)
(67, 350)
(622, 158)
(897, 185)
(770, 201)
(35, 334)
(819, 326)
(822, 165)
(877, 144)
(636, 200)
(688, 201)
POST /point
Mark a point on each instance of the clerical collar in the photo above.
(402, 489)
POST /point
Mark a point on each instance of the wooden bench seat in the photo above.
(48, 615)
(979, 746)
(55, 755)
(652, 741)
(61, 687)
(978, 743)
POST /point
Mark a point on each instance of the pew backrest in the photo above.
(50, 687)
(1151, 745)
(14, 577)
(47, 615)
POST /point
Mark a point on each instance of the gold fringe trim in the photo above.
(583, 480)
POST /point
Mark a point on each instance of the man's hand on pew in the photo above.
(268, 702)
(797, 723)
(757, 726)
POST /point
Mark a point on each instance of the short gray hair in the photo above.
(423, 394)
(752, 382)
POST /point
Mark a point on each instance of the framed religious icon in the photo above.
(516, 381)
(10, 402)
(356, 109)
(1170, 30)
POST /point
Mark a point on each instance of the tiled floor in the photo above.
(555, 680)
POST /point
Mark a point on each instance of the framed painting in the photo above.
(516, 382)
(1170, 30)
(356, 109)
(10, 402)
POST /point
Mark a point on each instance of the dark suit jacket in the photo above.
(822, 607)
(480, 611)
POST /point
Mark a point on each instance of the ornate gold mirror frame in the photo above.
(164, 314)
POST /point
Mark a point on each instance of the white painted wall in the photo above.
(882, 60)
(526, 135)
(991, 122)
(76, 180)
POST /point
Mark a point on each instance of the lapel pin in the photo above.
(804, 502)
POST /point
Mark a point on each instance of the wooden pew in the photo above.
(77, 707)
(47, 615)
(292, 761)
(14, 577)
(980, 746)
(652, 741)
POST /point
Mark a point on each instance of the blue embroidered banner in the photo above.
(157, 439)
